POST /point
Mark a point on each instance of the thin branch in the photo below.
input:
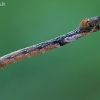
(86, 26)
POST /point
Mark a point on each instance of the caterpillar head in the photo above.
(88, 24)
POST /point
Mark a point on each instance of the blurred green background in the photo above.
(68, 73)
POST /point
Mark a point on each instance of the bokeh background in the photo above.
(71, 72)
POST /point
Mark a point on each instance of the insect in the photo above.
(86, 26)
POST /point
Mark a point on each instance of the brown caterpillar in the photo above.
(86, 26)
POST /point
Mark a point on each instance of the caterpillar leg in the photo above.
(93, 29)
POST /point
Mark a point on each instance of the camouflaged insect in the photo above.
(86, 26)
